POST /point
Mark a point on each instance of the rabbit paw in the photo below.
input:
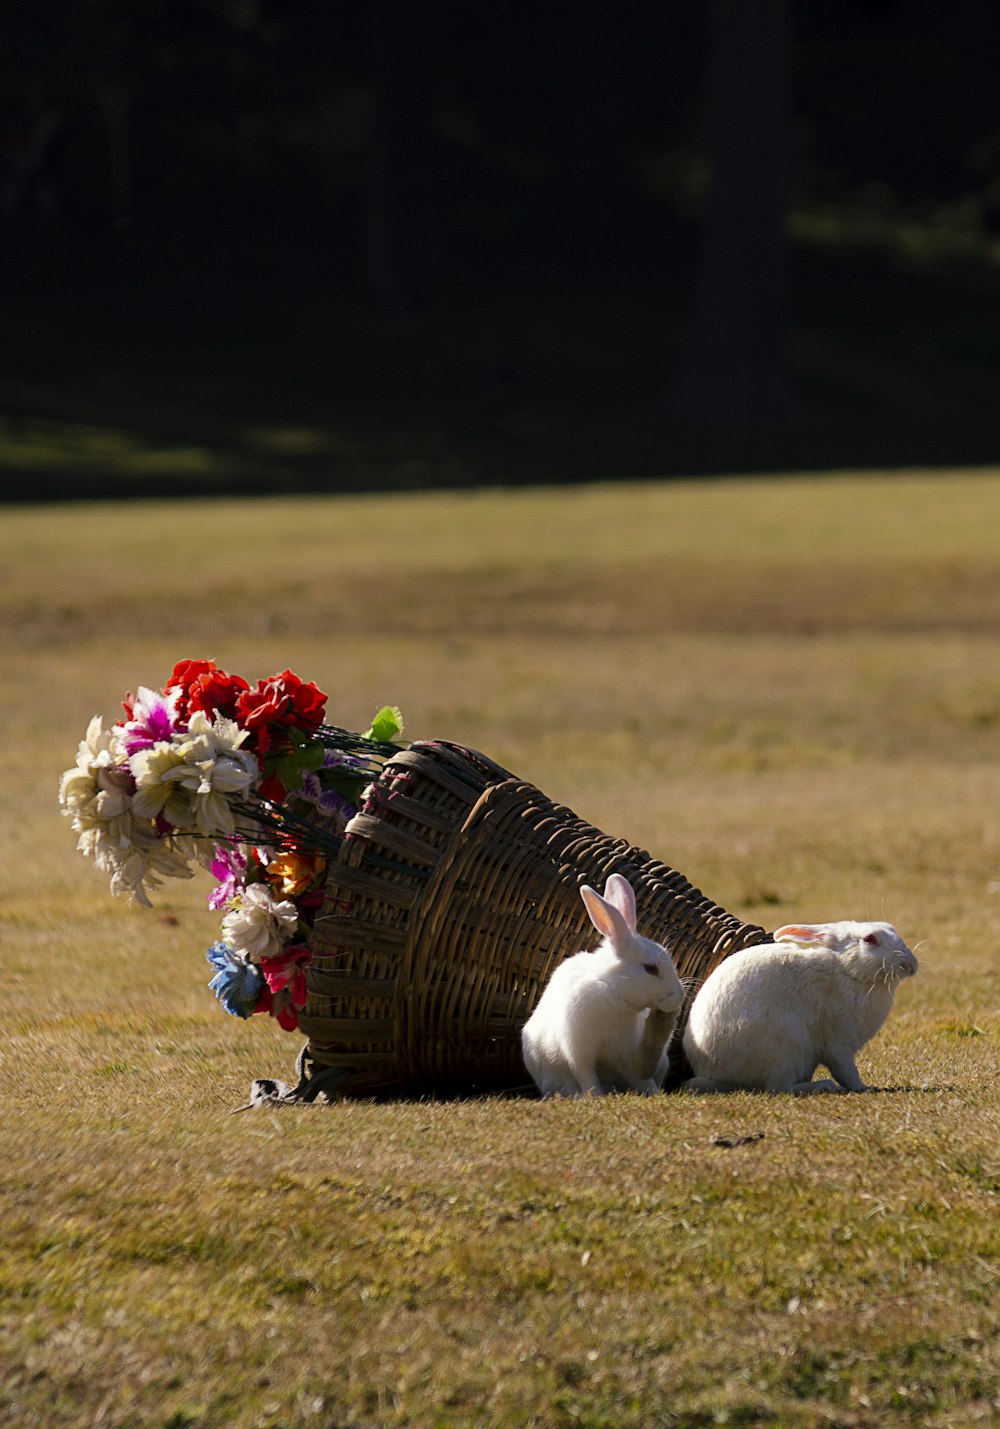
(811, 1089)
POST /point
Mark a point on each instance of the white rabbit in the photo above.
(603, 1020)
(768, 1016)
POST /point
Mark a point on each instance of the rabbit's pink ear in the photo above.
(619, 893)
(809, 934)
(605, 916)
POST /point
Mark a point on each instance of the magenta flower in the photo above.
(229, 868)
(153, 720)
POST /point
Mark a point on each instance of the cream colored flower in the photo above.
(144, 869)
(94, 772)
(96, 793)
(259, 927)
(192, 778)
(207, 740)
(116, 826)
(161, 776)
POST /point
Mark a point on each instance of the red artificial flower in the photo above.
(287, 1017)
(282, 702)
(310, 902)
(217, 691)
(186, 672)
(287, 970)
(205, 687)
(271, 788)
(279, 1006)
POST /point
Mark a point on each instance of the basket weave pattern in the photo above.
(455, 894)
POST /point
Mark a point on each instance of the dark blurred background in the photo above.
(260, 246)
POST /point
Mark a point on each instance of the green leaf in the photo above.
(291, 766)
(311, 757)
(288, 771)
(348, 782)
(387, 725)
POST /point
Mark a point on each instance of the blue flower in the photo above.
(237, 983)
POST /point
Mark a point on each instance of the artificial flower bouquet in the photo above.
(247, 782)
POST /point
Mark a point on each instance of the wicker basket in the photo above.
(454, 896)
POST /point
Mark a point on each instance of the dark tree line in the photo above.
(233, 104)
(431, 147)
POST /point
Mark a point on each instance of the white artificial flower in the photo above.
(95, 747)
(138, 869)
(191, 778)
(96, 794)
(115, 820)
(100, 827)
(219, 770)
(77, 789)
(159, 772)
(214, 739)
(259, 927)
(95, 770)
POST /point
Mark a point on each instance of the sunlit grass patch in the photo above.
(688, 668)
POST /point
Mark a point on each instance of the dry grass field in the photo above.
(789, 690)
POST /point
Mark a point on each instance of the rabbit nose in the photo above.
(907, 965)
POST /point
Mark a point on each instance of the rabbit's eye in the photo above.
(871, 939)
(651, 968)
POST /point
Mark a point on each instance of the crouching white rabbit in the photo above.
(604, 1017)
(768, 1016)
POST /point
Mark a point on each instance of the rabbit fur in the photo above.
(769, 1015)
(604, 1018)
